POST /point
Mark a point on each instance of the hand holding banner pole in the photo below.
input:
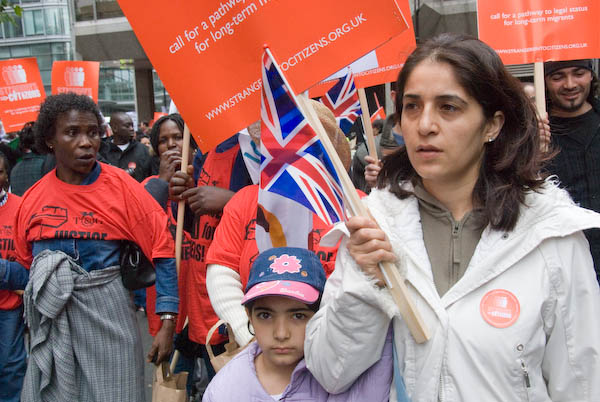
(393, 279)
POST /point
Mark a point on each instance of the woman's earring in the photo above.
(491, 139)
(250, 329)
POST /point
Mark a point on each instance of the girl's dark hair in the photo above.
(155, 131)
(512, 162)
(313, 307)
(27, 138)
(45, 126)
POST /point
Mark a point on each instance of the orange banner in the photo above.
(80, 77)
(21, 92)
(207, 53)
(526, 31)
(158, 115)
(389, 57)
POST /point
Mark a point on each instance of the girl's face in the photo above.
(279, 324)
(444, 127)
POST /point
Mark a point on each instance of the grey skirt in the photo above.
(85, 342)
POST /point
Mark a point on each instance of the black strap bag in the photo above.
(136, 271)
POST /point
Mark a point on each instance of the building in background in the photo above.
(127, 79)
(51, 30)
(43, 32)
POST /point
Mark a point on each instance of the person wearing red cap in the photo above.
(574, 110)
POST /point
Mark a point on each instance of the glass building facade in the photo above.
(43, 31)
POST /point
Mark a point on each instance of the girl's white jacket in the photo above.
(550, 353)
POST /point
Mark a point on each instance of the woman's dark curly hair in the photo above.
(511, 164)
(55, 105)
(155, 131)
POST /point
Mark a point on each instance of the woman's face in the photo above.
(169, 137)
(146, 142)
(75, 145)
(444, 127)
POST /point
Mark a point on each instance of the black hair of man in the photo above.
(378, 124)
(27, 138)
(55, 105)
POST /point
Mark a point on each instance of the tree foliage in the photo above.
(9, 11)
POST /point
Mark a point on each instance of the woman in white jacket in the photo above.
(494, 255)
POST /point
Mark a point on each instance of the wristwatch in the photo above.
(167, 316)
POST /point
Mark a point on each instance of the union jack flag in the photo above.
(294, 163)
(343, 101)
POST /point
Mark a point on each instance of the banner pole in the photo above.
(394, 281)
(367, 126)
(540, 91)
(185, 153)
(389, 104)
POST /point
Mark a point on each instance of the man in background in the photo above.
(123, 150)
(574, 111)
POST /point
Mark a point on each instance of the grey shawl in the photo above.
(85, 343)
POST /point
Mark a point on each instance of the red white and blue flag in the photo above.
(294, 165)
(343, 101)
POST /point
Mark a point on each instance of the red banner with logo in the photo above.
(21, 92)
(208, 53)
(80, 77)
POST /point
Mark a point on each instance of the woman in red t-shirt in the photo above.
(68, 231)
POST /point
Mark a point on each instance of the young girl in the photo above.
(283, 293)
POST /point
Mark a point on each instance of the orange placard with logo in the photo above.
(80, 77)
(21, 92)
(528, 31)
(208, 53)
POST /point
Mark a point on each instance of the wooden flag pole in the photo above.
(185, 153)
(540, 91)
(367, 126)
(389, 106)
(394, 281)
(540, 88)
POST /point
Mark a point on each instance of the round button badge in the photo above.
(500, 308)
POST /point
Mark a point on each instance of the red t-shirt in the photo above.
(235, 246)
(154, 322)
(8, 299)
(216, 171)
(114, 207)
